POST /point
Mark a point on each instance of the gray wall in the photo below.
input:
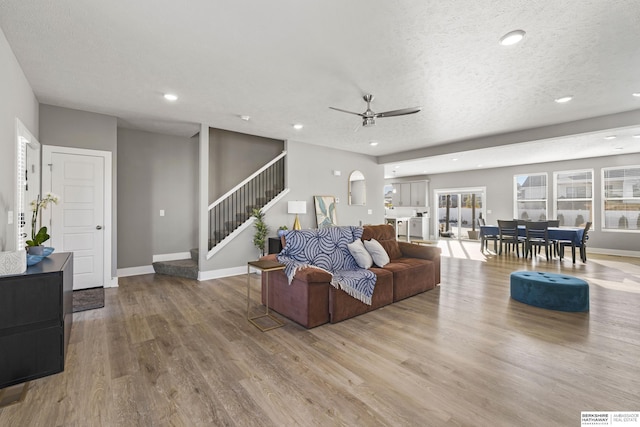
(17, 101)
(234, 156)
(499, 184)
(310, 172)
(155, 172)
(64, 127)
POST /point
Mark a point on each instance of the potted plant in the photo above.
(282, 229)
(260, 236)
(34, 245)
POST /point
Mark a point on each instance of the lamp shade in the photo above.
(297, 207)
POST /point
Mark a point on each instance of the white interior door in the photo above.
(78, 220)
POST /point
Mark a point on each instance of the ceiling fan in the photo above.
(369, 117)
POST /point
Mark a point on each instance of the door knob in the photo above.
(98, 227)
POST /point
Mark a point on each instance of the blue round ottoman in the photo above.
(550, 290)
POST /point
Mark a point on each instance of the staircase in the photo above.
(187, 268)
(232, 213)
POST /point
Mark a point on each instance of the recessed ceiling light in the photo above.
(512, 38)
(298, 126)
(479, 166)
(170, 97)
(619, 148)
(636, 136)
(455, 159)
(373, 143)
(564, 99)
(397, 167)
(245, 118)
(636, 94)
(608, 137)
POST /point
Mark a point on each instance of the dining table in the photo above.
(572, 234)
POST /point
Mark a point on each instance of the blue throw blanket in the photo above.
(326, 248)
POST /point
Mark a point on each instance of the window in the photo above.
(531, 196)
(574, 197)
(621, 198)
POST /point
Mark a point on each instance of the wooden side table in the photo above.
(265, 267)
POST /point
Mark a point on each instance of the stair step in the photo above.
(187, 268)
(195, 254)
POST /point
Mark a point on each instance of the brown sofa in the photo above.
(311, 300)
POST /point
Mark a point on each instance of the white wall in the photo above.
(17, 100)
(65, 127)
(309, 170)
(155, 172)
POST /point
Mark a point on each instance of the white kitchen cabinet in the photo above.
(410, 194)
(402, 194)
(419, 228)
(419, 194)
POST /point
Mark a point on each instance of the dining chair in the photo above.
(486, 238)
(537, 235)
(508, 235)
(582, 245)
(554, 242)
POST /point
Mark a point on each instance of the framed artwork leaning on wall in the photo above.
(325, 211)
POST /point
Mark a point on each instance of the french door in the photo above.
(458, 212)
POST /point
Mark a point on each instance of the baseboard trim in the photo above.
(113, 283)
(223, 272)
(135, 271)
(614, 252)
(171, 257)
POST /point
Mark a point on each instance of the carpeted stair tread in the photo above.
(181, 268)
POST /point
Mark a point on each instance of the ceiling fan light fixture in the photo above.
(512, 38)
(368, 121)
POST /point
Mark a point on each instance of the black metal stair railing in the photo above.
(235, 208)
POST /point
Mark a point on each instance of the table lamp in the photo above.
(297, 207)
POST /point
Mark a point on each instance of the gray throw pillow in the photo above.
(377, 252)
(362, 257)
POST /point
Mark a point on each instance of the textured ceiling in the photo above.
(284, 62)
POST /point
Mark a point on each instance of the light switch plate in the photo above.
(370, 211)
(10, 214)
(161, 212)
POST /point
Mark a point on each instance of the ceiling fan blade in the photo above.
(401, 112)
(345, 111)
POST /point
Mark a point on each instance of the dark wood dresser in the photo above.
(35, 320)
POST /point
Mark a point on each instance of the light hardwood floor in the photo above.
(167, 351)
